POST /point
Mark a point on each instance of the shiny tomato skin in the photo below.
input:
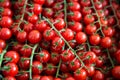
(81, 37)
(80, 74)
(13, 55)
(24, 63)
(7, 12)
(22, 76)
(37, 9)
(33, 18)
(22, 36)
(70, 78)
(9, 78)
(74, 6)
(6, 22)
(13, 69)
(43, 56)
(115, 72)
(34, 36)
(37, 67)
(106, 42)
(90, 29)
(5, 33)
(95, 39)
(98, 75)
(75, 26)
(41, 2)
(68, 34)
(2, 44)
(59, 23)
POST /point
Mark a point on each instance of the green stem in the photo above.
(65, 41)
(58, 69)
(31, 60)
(2, 55)
(115, 15)
(112, 63)
(65, 12)
(22, 17)
(102, 32)
(98, 17)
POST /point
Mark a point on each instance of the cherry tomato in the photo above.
(41, 2)
(22, 36)
(6, 22)
(80, 74)
(74, 6)
(68, 34)
(5, 33)
(89, 19)
(115, 72)
(59, 23)
(81, 37)
(33, 18)
(34, 36)
(12, 56)
(95, 39)
(7, 12)
(75, 26)
(10, 69)
(98, 75)
(90, 29)
(22, 76)
(43, 56)
(24, 63)
(9, 78)
(37, 67)
(2, 44)
(106, 42)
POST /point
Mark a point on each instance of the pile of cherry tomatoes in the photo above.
(59, 40)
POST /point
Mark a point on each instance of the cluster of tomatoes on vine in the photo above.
(59, 40)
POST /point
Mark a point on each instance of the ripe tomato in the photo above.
(115, 72)
(98, 5)
(108, 31)
(74, 65)
(34, 36)
(75, 16)
(68, 34)
(90, 29)
(37, 67)
(2, 44)
(9, 78)
(12, 56)
(28, 27)
(24, 63)
(91, 70)
(25, 51)
(33, 18)
(86, 10)
(59, 23)
(117, 55)
(7, 12)
(41, 2)
(6, 22)
(81, 37)
(50, 69)
(5, 33)
(10, 69)
(22, 76)
(43, 56)
(89, 19)
(98, 75)
(75, 26)
(70, 78)
(106, 42)
(48, 12)
(37, 9)
(55, 58)
(36, 77)
(95, 39)
(74, 6)
(80, 74)
(49, 34)
(90, 57)
(85, 3)
(67, 55)
(41, 26)
(22, 36)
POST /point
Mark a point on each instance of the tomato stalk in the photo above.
(58, 69)
(22, 17)
(2, 55)
(65, 41)
(115, 15)
(31, 60)
(65, 12)
(102, 31)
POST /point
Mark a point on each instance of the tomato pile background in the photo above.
(59, 40)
